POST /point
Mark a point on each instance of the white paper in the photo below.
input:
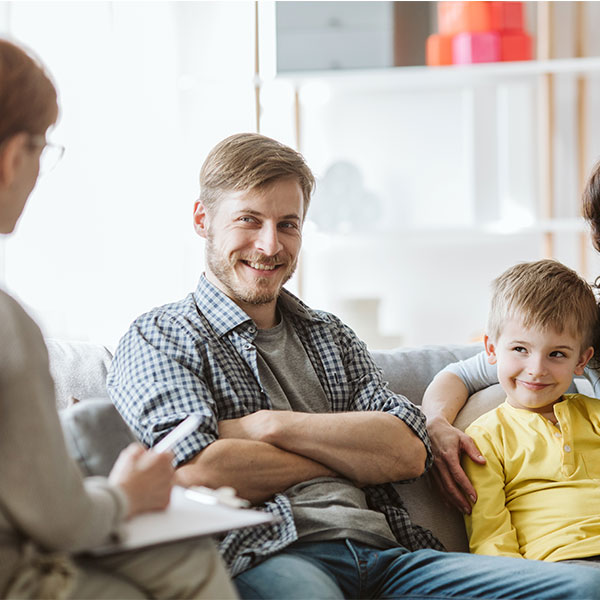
(183, 518)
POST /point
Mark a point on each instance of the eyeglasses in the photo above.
(51, 153)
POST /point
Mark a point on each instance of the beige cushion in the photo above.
(426, 508)
(478, 404)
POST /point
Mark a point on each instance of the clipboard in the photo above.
(184, 518)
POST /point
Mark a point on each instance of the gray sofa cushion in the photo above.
(95, 434)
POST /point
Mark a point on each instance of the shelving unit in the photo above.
(489, 147)
(413, 78)
(467, 79)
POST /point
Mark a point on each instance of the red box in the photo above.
(507, 16)
(478, 47)
(438, 50)
(515, 46)
(458, 17)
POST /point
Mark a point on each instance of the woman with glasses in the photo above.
(48, 512)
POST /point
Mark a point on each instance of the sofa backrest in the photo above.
(410, 370)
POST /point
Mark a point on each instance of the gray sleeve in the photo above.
(593, 375)
(475, 372)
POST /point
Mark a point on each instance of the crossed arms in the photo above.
(371, 436)
(268, 451)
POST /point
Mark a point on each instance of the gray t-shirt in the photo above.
(325, 508)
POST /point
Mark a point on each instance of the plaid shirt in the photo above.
(197, 356)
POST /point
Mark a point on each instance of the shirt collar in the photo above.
(224, 314)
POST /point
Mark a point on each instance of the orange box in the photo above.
(438, 50)
(507, 16)
(464, 17)
(515, 46)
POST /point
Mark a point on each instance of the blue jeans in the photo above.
(346, 569)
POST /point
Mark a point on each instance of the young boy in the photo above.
(539, 491)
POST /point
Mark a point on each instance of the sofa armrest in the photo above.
(79, 370)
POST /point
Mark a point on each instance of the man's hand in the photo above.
(146, 477)
(448, 443)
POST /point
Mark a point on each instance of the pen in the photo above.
(181, 431)
(223, 495)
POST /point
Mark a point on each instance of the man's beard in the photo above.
(223, 270)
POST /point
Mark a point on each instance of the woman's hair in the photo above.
(591, 204)
(591, 212)
(250, 160)
(28, 100)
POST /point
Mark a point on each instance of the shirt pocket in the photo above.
(591, 463)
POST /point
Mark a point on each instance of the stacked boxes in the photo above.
(474, 32)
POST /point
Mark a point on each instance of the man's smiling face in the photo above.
(253, 241)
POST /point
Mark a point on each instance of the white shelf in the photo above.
(434, 77)
(572, 225)
(495, 228)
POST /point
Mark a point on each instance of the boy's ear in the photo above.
(200, 217)
(584, 359)
(490, 349)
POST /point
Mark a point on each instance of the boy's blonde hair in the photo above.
(247, 161)
(545, 294)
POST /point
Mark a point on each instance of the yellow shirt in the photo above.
(539, 493)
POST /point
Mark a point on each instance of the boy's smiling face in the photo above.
(536, 366)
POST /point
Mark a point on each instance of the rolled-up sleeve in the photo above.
(156, 381)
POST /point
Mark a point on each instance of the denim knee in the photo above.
(586, 582)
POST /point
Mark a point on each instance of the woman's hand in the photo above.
(145, 476)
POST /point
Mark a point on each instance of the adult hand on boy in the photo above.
(448, 443)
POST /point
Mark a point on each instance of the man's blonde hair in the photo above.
(544, 294)
(249, 161)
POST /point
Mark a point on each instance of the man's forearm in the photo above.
(256, 470)
(368, 447)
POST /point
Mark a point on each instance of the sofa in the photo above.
(95, 432)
